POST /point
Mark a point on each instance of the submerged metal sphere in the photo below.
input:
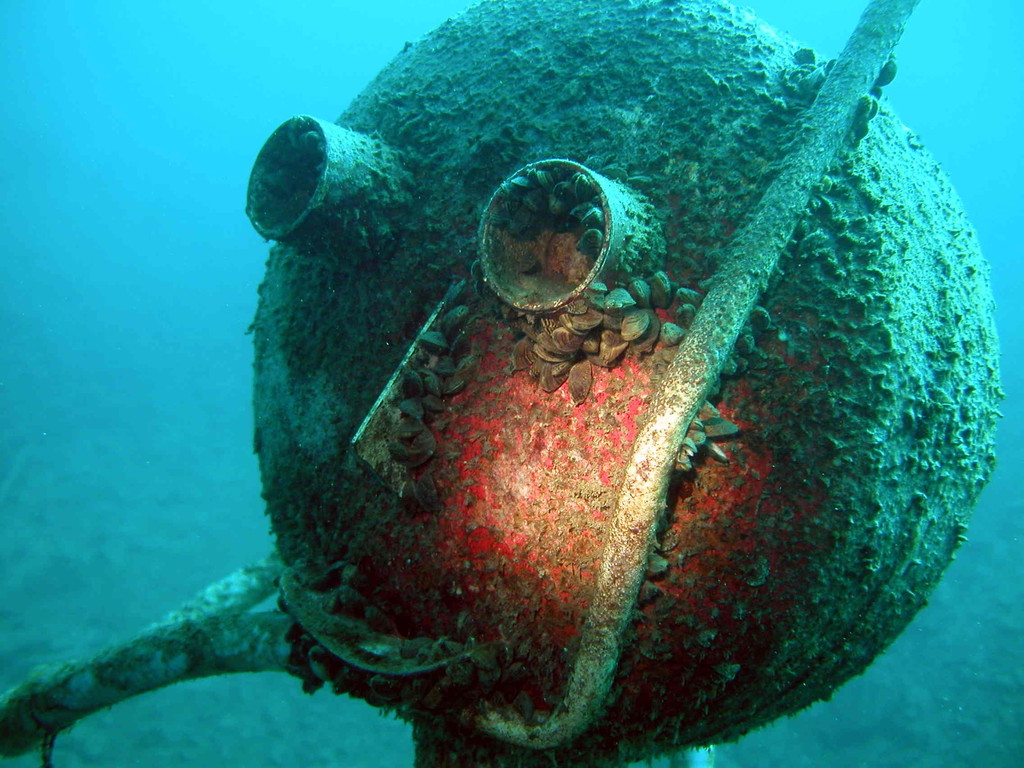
(791, 553)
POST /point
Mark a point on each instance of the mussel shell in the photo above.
(542, 177)
(562, 190)
(551, 350)
(433, 342)
(760, 320)
(640, 290)
(550, 322)
(522, 354)
(594, 217)
(461, 343)
(689, 296)
(411, 406)
(499, 217)
(612, 320)
(311, 142)
(431, 382)
(635, 323)
(685, 314)
(582, 323)
(565, 340)
(696, 433)
(452, 386)
(424, 491)
(419, 449)
(553, 375)
(464, 372)
(649, 338)
(453, 320)
(581, 379)
(745, 343)
(412, 384)
(617, 301)
(410, 454)
(707, 411)
(578, 306)
(582, 187)
(716, 452)
(591, 345)
(888, 73)
(718, 426)
(661, 290)
(671, 334)
(581, 210)
(424, 441)
(557, 205)
(612, 347)
(433, 403)
(445, 366)
(409, 428)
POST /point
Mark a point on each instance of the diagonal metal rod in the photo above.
(749, 263)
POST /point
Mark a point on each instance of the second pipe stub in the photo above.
(555, 226)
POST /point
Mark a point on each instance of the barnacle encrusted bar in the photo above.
(55, 697)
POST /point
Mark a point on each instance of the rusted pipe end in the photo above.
(309, 166)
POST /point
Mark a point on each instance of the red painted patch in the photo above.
(528, 482)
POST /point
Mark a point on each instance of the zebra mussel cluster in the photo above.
(709, 426)
(550, 198)
(598, 328)
(443, 365)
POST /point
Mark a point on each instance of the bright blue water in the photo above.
(127, 278)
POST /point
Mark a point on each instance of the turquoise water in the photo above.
(128, 276)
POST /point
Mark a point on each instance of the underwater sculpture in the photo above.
(676, 453)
